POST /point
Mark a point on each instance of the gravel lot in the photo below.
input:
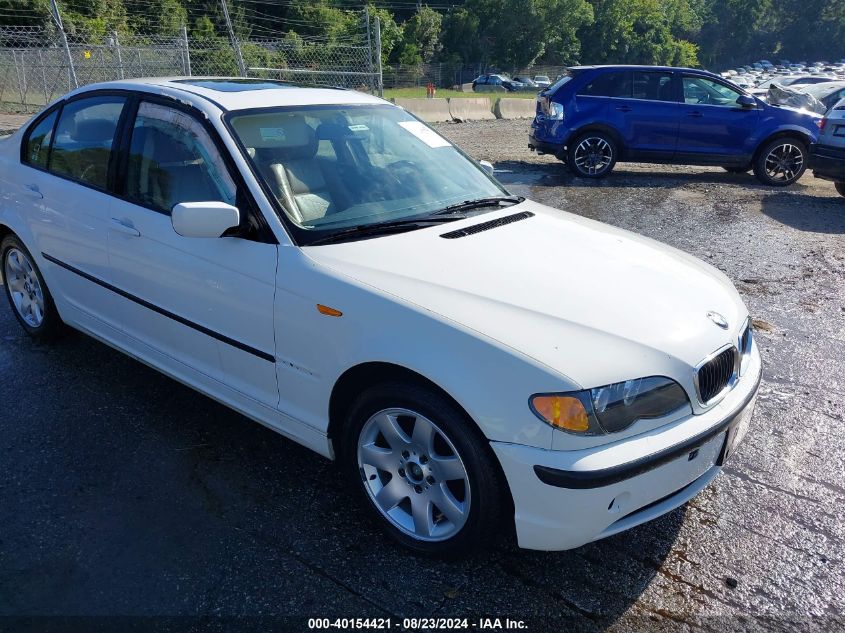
(124, 493)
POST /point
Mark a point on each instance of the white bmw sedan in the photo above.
(329, 266)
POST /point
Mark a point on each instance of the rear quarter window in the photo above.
(38, 139)
(612, 84)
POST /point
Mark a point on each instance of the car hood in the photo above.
(595, 303)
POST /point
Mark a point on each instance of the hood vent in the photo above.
(484, 226)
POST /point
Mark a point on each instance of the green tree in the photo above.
(460, 38)
(514, 33)
(421, 34)
(637, 32)
(161, 17)
(24, 12)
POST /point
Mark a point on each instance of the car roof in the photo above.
(642, 67)
(238, 93)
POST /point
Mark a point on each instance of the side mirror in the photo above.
(487, 166)
(204, 219)
(746, 101)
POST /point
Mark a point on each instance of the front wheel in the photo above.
(424, 470)
(781, 162)
(840, 187)
(592, 155)
(26, 291)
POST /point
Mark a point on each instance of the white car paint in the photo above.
(553, 303)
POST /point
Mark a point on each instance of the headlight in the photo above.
(610, 408)
(555, 111)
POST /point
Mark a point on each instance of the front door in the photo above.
(202, 306)
(714, 127)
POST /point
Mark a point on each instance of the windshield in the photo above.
(335, 167)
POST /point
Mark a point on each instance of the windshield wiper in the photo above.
(479, 202)
(383, 228)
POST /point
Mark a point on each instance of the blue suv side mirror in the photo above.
(746, 101)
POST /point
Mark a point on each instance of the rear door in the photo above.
(714, 128)
(600, 100)
(201, 304)
(648, 119)
(73, 212)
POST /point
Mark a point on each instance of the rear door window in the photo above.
(653, 86)
(84, 139)
(611, 84)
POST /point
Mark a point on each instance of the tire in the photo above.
(840, 187)
(414, 436)
(737, 169)
(781, 161)
(28, 295)
(592, 155)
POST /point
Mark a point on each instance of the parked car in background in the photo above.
(299, 254)
(542, 81)
(498, 80)
(603, 114)
(827, 155)
(829, 92)
(527, 82)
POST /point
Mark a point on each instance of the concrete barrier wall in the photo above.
(513, 108)
(429, 110)
(471, 109)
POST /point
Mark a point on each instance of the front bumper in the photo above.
(827, 162)
(564, 499)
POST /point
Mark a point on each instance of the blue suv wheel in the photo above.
(592, 155)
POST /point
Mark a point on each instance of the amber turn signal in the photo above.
(328, 311)
(563, 412)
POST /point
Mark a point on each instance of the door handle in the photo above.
(695, 115)
(623, 108)
(125, 227)
(33, 191)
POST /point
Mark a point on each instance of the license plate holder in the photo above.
(737, 431)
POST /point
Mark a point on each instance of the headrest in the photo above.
(274, 131)
(94, 130)
(336, 131)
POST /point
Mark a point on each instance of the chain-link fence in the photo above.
(448, 75)
(38, 64)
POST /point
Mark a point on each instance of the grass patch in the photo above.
(419, 93)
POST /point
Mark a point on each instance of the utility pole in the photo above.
(187, 66)
(235, 45)
(378, 58)
(119, 55)
(57, 18)
(369, 44)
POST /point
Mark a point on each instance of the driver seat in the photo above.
(286, 154)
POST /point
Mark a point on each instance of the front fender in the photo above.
(491, 381)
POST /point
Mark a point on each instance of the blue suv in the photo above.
(594, 116)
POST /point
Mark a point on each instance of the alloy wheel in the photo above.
(413, 474)
(593, 155)
(24, 287)
(784, 163)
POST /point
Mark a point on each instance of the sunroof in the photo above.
(235, 85)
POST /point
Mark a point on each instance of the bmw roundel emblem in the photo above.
(718, 319)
